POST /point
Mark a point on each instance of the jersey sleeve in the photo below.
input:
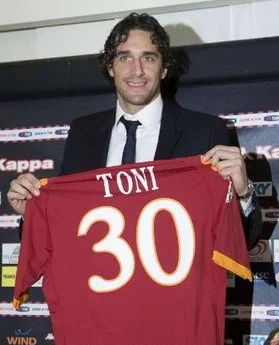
(230, 251)
(34, 251)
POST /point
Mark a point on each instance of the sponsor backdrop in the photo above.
(34, 121)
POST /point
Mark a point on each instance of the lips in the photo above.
(136, 83)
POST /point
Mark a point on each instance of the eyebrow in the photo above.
(124, 52)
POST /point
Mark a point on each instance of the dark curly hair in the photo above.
(120, 33)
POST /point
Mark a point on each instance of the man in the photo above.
(137, 58)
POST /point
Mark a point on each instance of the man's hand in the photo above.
(229, 162)
(22, 189)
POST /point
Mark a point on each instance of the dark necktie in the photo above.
(130, 146)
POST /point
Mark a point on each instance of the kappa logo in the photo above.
(50, 336)
(26, 165)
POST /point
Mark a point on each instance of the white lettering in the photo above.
(25, 165)
(104, 177)
(135, 180)
(140, 177)
(267, 151)
(153, 179)
(47, 164)
(120, 184)
(35, 165)
(22, 166)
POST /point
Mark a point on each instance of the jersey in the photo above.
(134, 254)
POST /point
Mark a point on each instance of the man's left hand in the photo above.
(229, 162)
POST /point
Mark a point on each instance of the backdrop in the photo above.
(238, 81)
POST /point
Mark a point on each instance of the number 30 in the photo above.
(113, 243)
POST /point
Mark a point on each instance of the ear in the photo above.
(110, 71)
(164, 73)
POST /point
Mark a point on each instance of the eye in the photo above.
(124, 58)
(149, 58)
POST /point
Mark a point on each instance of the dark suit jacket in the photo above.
(183, 133)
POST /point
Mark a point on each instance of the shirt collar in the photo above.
(149, 116)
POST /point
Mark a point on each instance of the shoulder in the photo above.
(191, 120)
(188, 116)
(210, 130)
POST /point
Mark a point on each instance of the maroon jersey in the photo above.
(134, 254)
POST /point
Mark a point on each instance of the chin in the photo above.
(140, 100)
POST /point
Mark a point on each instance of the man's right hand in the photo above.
(22, 189)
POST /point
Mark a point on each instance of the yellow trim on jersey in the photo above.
(22, 299)
(43, 181)
(231, 265)
(213, 167)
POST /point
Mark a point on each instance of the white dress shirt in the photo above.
(147, 136)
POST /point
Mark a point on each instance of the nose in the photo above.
(137, 67)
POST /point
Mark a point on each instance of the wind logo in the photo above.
(255, 339)
(22, 338)
(21, 341)
(263, 189)
(19, 332)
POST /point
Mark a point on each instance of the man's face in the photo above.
(137, 70)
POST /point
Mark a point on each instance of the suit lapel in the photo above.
(169, 133)
(98, 141)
